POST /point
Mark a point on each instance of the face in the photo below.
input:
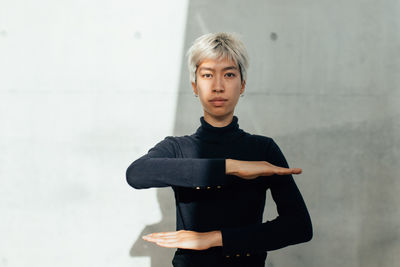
(218, 86)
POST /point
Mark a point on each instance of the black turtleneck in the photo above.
(208, 199)
(211, 134)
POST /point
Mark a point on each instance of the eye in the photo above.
(230, 74)
(206, 75)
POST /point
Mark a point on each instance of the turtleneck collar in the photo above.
(212, 134)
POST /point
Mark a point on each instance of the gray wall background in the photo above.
(75, 112)
(324, 83)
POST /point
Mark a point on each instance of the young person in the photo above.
(220, 173)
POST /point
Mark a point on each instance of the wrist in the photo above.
(215, 238)
(231, 166)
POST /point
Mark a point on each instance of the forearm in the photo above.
(147, 172)
(271, 235)
(292, 226)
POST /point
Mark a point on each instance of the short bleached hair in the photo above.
(221, 45)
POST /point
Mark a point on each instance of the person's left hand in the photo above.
(186, 239)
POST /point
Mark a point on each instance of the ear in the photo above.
(194, 86)
(243, 86)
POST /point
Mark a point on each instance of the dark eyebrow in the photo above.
(230, 68)
(226, 68)
(204, 68)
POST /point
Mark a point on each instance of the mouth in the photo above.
(218, 101)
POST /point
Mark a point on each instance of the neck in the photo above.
(212, 134)
(221, 121)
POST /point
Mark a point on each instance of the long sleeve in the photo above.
(291, 226)
(161, 168)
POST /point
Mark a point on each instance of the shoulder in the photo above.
(169, 146)
(169, 143)
(271, 149)
(178, 142)
(264, 141)
(179, 139)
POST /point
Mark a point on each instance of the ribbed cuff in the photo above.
(241, 240)
(209, 172)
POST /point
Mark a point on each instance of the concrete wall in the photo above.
(87, 87)
(324, 82)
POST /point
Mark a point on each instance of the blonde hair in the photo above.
(218, 45)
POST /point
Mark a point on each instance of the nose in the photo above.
(218, 85)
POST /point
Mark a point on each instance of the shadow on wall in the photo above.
(158, 255)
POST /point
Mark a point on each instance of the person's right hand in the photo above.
(254, 169)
